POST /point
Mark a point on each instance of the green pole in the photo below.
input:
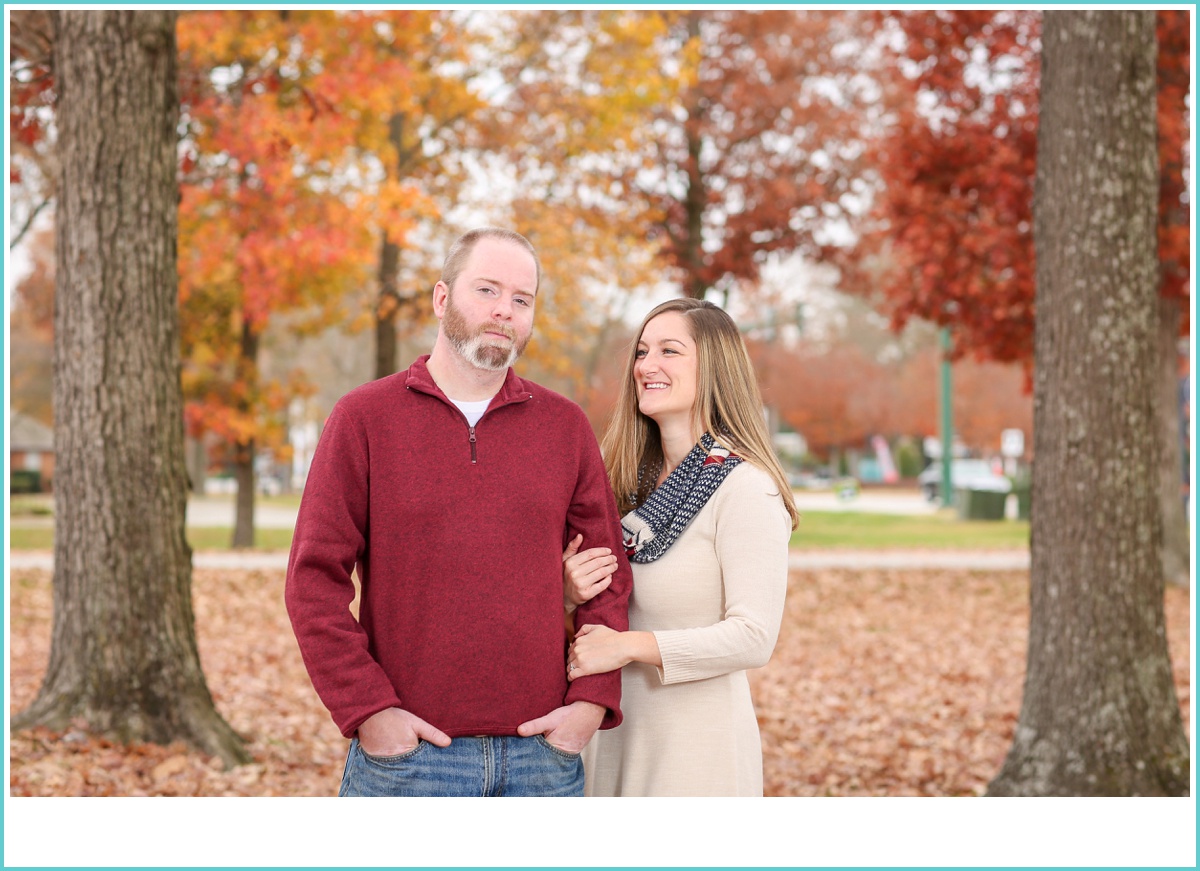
(947, 421)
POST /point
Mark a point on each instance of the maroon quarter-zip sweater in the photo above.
(457, 534)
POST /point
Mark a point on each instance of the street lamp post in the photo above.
(947, 421)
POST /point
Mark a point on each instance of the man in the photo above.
(453, 487)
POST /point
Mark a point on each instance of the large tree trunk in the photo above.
(1176, 546)
(123, 650)
(1099, 714)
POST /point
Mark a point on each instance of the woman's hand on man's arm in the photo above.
(586, 573)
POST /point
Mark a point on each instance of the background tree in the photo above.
(277, 219)
(826, 397)
(32, 167)
(565, 131)
(949, 236)
(455, 121)
(1099, 714)
(663, 147)
(840, 395)
(420, 135)
(756, 150)
(31, 333)
(123, 654)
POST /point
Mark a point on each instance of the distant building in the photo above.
(30, 449)
(790, 443)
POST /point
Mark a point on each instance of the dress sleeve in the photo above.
(752, 533)
(593, 513)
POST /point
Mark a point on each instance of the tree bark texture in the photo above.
(123, 651)
(243, 458)
(243, 510)
(387, 306)
(696, 198)
(1177, 543)
(1099, 714)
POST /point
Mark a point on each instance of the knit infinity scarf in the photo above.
(661, 519)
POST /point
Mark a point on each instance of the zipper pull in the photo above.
(474, 459)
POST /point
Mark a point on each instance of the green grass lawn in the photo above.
(853, 530)
(818, 530)
(200, 538)
(287, 500)
(30, 505)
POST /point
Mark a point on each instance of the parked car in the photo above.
(820, 479)
(846, 488)
(965, 474)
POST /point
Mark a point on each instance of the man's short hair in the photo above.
(456, 258)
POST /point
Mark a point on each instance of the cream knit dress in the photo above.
(714, 602)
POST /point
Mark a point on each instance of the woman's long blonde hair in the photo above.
(728, 405)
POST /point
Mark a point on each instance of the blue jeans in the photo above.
(480, 766)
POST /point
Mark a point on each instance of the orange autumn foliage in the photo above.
(276, 222)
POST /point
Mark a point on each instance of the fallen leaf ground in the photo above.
(883, 683)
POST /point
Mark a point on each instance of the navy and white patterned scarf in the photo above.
(652, 528)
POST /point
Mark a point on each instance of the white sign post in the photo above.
(1012, 447)
(1012, 443)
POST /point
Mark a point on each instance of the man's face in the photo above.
(488, 315)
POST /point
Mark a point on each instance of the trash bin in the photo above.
(1022, 488)
(977, 504)
(25, 481)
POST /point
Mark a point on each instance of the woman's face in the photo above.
(666, 369)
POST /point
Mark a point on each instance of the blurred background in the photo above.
(853, 186)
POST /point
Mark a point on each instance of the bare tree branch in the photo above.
(28, 225)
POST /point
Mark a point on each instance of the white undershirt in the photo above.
(472, 410)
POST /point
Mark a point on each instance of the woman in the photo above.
(709, 517)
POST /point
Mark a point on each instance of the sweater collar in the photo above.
(514, 389)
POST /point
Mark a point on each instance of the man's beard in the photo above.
(476, 347)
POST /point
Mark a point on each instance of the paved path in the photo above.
(201, 559)
(996, 560)
(869, 502)
(219, 510)
(211, 511)
(981, 560)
